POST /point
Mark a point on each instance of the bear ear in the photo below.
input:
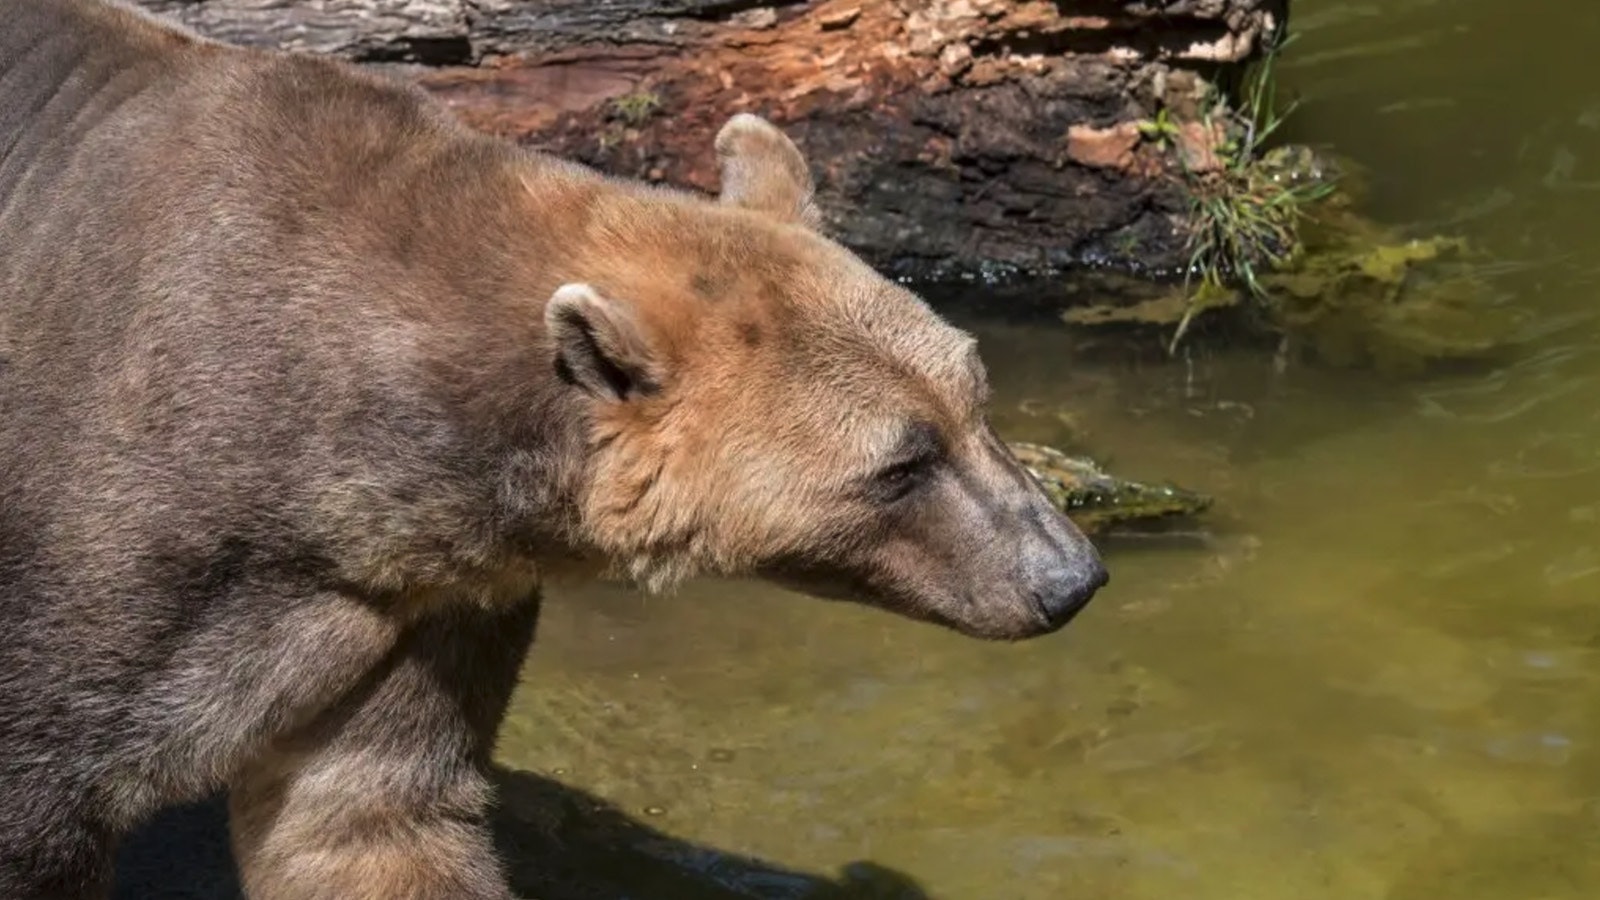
(762, 170)
(599, 345)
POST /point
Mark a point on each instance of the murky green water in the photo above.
(1378, 678)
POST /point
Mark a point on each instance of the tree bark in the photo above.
(948, 137)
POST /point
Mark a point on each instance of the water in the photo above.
(1378, 676)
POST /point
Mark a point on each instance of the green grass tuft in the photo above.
(636, 107)
(1244, 220)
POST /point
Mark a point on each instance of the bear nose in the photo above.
(1062, 593)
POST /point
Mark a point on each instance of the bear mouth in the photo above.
(967, 613)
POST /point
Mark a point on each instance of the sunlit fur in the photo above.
(789, 367)
(289, 444)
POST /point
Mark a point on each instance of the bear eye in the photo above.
(901, 476)
(900, 479)
(919, 450)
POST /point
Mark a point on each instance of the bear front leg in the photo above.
(385, 797)
(51, 848)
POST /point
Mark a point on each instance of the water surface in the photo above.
(1378, 676)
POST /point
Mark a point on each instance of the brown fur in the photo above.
(305, 388)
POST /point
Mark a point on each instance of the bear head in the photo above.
(762, 402)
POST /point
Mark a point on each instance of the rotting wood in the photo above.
(948, 136)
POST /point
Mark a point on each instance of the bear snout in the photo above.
(1058, 567)
(1061, 592)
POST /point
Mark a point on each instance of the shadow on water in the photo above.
(558, 843)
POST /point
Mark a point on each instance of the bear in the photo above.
(307, 390)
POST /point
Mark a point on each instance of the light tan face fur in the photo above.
(765, 403)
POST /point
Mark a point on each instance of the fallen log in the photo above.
(949, 137)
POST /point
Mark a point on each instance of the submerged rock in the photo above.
(1098, 501)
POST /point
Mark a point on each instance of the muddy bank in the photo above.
(948, 136)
